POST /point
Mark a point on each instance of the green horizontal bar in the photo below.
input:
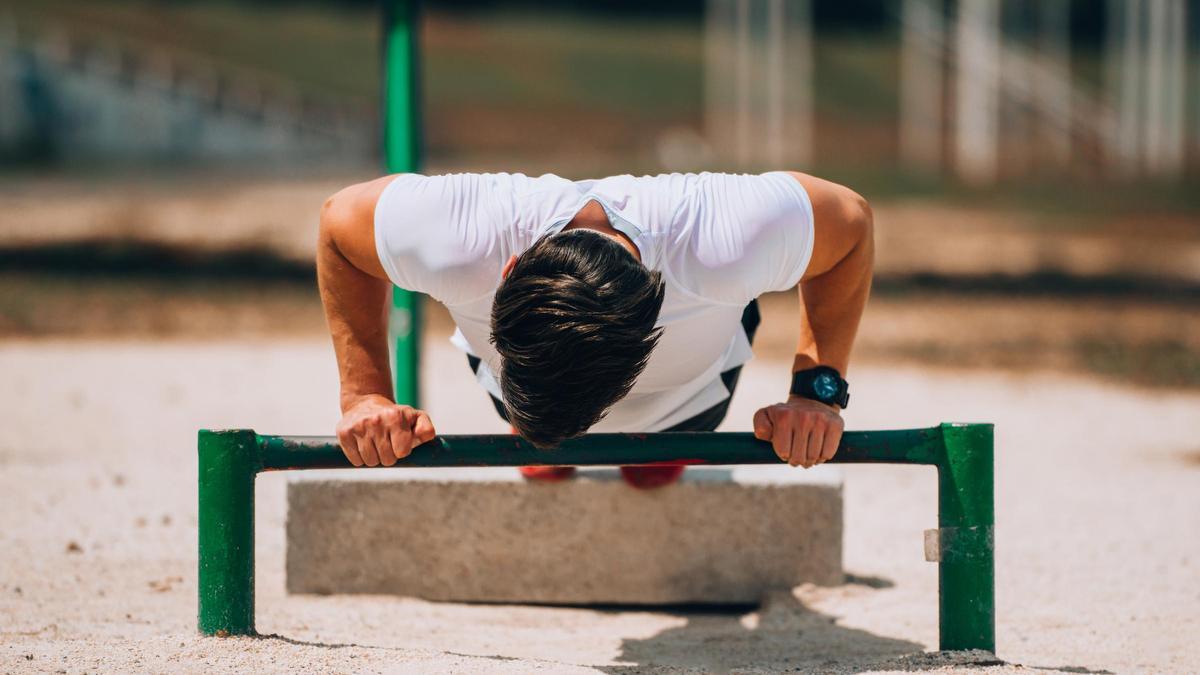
(906, 446)
(962, 453)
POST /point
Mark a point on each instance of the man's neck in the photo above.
(592, 217)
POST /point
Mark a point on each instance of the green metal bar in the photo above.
(909, 446)
(228, 462)
(962, 453)
(402, 154)
(966, 517)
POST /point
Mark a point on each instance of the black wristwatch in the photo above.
(822, 384)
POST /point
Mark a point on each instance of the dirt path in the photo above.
(1098, 558)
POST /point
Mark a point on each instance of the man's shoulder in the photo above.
(741, 235)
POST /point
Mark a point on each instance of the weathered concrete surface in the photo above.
(722, 535)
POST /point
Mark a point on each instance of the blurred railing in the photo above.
(113, 97)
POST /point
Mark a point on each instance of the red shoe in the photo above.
(545, 474)
(649, 476)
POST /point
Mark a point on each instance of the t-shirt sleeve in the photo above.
(752, 235)
(436, 235)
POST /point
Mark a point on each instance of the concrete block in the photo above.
(721, 535)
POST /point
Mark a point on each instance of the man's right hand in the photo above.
(375, 431)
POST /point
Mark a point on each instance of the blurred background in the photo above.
(1033, 164)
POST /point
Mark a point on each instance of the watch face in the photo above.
(825, 386)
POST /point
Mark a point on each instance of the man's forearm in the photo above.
(356, 311)
(831, 307)
(354, 290)
(833, 294)
(832, 302)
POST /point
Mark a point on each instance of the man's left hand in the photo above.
(802, 431)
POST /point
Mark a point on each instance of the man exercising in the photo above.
(621, 304)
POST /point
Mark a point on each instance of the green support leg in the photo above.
(402, 153)
(966, 517)
(405, 329)
(228, 463)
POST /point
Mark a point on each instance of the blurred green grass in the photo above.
(579, 94)
(495, 58)
(320, 50)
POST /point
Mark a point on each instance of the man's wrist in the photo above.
(796, 398)
(350, 400)
(823, 384)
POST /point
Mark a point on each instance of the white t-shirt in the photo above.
(720, 240)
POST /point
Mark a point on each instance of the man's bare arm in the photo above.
(354, 291)
(833, 295)
(834, 290)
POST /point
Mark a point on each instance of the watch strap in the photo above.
(804, 386)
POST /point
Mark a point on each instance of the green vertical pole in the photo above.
(966, 517)
(402, 154)
(228, 462)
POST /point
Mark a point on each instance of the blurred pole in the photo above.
(1166, 81)
(1174, 118)
(719, 72)
(1192, 56)
(1113, 39)
(758, 82)
(796, 95)
(402, 153)
(1016, 96)
(743, 79)
(1128, 15)
(977, 90)
(1053, 90)
(921, 84)
(775, 148)
(9, 114)
(1157, 52)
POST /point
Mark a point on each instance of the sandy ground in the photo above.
(1098, 515)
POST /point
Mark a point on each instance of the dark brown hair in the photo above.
(574, 325)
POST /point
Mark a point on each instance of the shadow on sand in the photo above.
(788, 636)
(783, 635)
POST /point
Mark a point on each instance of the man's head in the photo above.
(573, 322)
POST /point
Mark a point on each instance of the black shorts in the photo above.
(707, 420)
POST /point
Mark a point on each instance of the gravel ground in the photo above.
(1097, 544)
